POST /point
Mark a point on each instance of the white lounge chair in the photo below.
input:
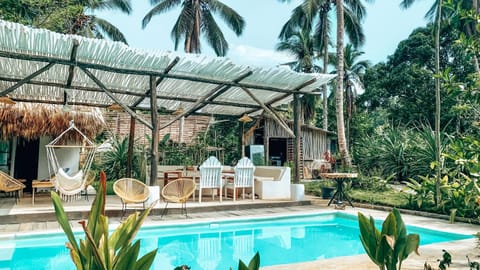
(210, 177)
(243, 178)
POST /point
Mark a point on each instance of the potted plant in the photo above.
(328, 188)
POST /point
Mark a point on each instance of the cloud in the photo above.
(252, 56)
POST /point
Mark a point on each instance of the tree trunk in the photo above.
(438, 196)
(325, 70)
(475, 58)
(342, 142)
(297, 123)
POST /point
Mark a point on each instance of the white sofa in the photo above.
(272, 182)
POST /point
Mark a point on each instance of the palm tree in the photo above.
(301, 45)
(353, 71)
(196, 18)
(311, 11)
(70, 17)
(342, 142)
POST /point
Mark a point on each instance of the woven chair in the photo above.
(178, 191)
(9, 184)
(131, 191)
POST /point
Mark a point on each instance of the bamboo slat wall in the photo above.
(118, 124)
(315, 142)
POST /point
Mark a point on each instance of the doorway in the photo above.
(26, 161)
(277, 150)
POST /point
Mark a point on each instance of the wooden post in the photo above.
(131, 141)
(297, 129)
(155, 135)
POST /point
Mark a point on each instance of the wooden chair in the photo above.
(9, 184)
(243, 178)
(131, 191)
(210, 177)
(178, 191)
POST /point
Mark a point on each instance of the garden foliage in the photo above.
(99, 250)
(389, 247)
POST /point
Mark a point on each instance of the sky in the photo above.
(385, 26)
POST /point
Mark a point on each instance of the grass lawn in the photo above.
(389, 197)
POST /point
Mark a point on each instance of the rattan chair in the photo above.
(131, 191)
(9, 184)
(178, 191)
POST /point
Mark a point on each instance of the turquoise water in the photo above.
(212, 246)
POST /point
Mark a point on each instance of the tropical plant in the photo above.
(300, 44)
(389, 247)
(99, 250)
(353, 70)
(115, 161)
(310, 11)
(254, 263)
(68, 17)
(196, 18)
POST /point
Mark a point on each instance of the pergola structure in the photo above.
(41, 66)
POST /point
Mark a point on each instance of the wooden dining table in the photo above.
(339, 178)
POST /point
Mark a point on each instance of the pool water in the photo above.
(211, 246)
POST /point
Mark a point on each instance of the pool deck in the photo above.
(23, 218)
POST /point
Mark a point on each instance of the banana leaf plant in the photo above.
(99, 250)
(390, 246)
(254, 263)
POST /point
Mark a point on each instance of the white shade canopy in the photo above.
(38, 65)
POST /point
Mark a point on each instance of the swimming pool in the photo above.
(210, 246)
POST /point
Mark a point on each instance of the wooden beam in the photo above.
(71, 69)
(167, 69)
(85, 65)
(130, 93)
(273, 111)
(221, 91)
(193, 108)
(131, 142)
(286, 128)
(298, 131)
(201, 100)
(112, 96)
(294, 90)
(26, 79)
(155, 134)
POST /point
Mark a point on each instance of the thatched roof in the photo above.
(31, 121)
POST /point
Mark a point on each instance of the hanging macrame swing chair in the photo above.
(70, 186)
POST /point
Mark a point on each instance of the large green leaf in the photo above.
(63, 220)
(254, 262)
(128, 258)
(145, 262)
(368, 237)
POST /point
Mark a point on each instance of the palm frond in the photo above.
(214, 35)
(161, 7)
(353, 28)
(231, 18)
(122, 5)
(108, 29)
(183, 26)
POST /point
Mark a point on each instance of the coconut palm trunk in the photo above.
(438, 103)
(475, 58)
(325, 70)
(342, 142)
